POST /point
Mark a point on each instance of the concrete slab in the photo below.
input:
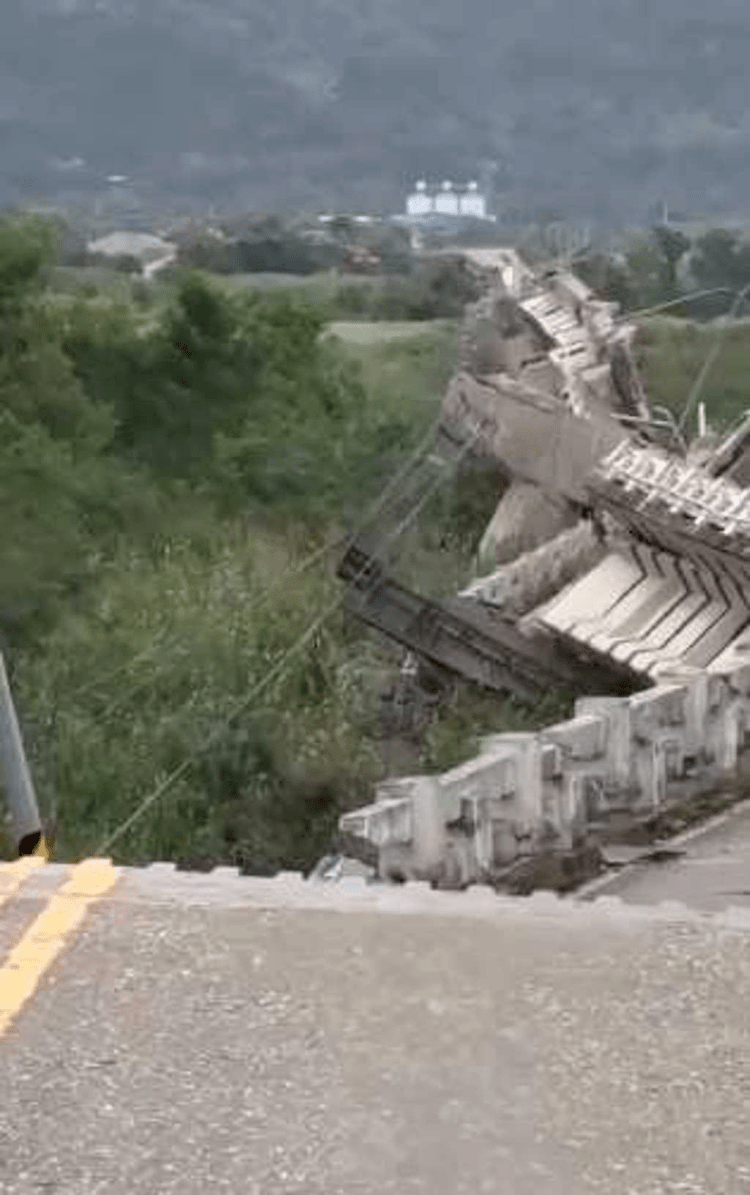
(665, 587)
(633, 610)
(670, 607)
(667, 622)
(594, 594)
(734, 655)
(693, 625)
(718, 638)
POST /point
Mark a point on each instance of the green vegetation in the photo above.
(265, 247)
(434, 289)
(671, 354)
(162, 482)
(666, 265)
(269, 253)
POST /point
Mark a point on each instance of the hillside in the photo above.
(597, 110)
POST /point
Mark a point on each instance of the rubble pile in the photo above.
(617, 564)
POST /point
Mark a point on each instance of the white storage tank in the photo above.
(419, 203)
(446, 201)
(472, 203)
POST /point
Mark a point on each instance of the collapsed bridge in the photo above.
(621, 567)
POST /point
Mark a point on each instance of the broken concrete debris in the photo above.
(618, 567)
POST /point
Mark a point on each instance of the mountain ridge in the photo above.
(592, 109)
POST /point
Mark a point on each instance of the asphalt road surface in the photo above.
(192, 1034)
(706, 869)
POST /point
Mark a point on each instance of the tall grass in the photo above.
(671, 354)
(121, 693)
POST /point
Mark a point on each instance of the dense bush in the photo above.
(63, 500)
(435, 289)
(235, 394)
(158, 479)
(664, 265)
(260, 249)
(282, 255)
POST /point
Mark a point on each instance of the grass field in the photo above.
(369, 332)
(671, 355)
(316, 288)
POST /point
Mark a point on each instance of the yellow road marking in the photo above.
(46, 936)
(13, 875)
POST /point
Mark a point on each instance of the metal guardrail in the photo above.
(26, 825)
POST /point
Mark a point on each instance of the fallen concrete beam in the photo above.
(526, 517)
(531, 434)
(470, 640)
(536, 576)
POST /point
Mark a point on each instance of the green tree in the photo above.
(237, 395)
(205, 252)
(673, 245)
(393, 247)
(720, 259)
(127, 263)
(26, 246)
(436, 289)
(60, 495)
(645, 268)
(609, 279)
(343, 229)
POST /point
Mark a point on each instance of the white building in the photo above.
(472, 203)
(423, 205)
(446, 201)
(143, 245)
(419, 203)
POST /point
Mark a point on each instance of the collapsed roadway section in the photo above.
(618, 562)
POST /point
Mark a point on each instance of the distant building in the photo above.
(419, 203)
(423, 206)
(473, 204)
(360, 260)
(446, 201)
(142, 245)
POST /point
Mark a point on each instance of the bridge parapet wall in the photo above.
(523, 793)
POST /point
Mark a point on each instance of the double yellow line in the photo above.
(43, 941)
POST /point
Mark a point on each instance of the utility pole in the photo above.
(28, 835)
